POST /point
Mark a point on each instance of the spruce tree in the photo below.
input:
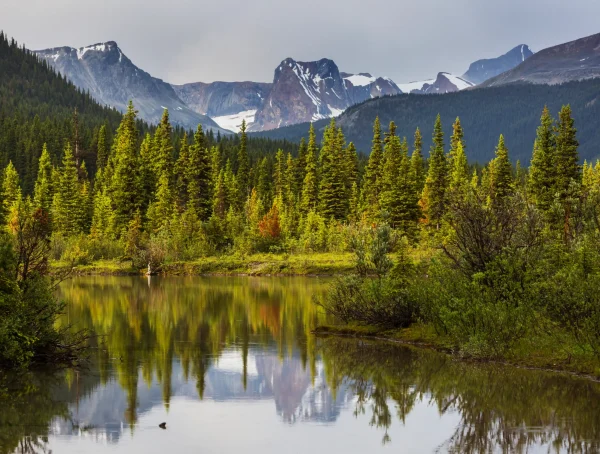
(332, 189)
(67, 204)
(541, 182)
(11, 191)
(300, 166)
(124, 190)
(459, 172)
(566, 158)
(43, 191)
(181, 174)
(310, 186)
(263, 187)
(199, 189)
(243, 173)
(456, 139)
(436, 183)
(220, 197)
(501, 178)
(160, 210)
(101, 149)
(417, 164)
(163, 147)
(373, 175)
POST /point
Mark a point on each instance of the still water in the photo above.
(229, 365)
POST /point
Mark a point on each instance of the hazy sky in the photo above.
(196, 40)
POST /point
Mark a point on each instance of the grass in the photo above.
(318, 264)
(555, 351)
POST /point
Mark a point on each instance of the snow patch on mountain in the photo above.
(417, 85)
(360, 80)
(234, 122)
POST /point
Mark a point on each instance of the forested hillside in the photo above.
(512, 110)
(37, 107)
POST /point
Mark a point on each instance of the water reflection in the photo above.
(230, 364)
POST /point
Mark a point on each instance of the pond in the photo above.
(229, 364)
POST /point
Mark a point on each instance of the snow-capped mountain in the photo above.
(485, 69)
(575, 60)
(478, 72)
(310, 91)
(112, 79)
(227, 103)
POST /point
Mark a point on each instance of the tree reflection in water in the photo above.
(501, 408)
(181, 330)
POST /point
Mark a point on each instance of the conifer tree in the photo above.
(417, 164)
(373, 174)
(263, 188)
(43, 191)
(459, 175)
(163, 147)
(231, 187)
(540, 184)
(332, 190)
(456, 139)
(501, 178)
(300, 166)
(11, 190)
(146, 176)
(67, 203)
(243, 173)
(351, 166)
(198, 172)
(566, 158)
(310, 186)
(160, 210)
(434, 193)
(279, 174)
(124, 191)
(101, 149)
(103, 216)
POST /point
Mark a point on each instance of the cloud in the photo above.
(184, 40)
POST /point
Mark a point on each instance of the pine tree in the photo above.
(243, 173)
(540, 184)
(147, 179)
(160, 210)
(566, 158)
(67, 203)
(124, 191)
(263, 188)
(332, 189)
(43, 191)
(310, 186)
(199, 187)
(373, 175)
(417, 164)
(300, 166)
(456, 139)
(163, 147)
(390, 197)
(501, 178)
(459, 174)
(220, 197)
(11, 191)
(279, 174)
(351, 166)
(101, 149)
(434, 193)
(103, 216)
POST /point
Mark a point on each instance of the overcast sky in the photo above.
(195, 40)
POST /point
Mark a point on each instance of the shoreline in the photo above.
(418, 337)
(275, 265)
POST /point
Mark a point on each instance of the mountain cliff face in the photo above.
(311, 91)
(113, 80)
(572, 61)
(485, 69)
(444, 83)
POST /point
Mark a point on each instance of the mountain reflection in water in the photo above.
(229, 364)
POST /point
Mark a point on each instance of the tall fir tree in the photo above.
(124, 190)
(501, 177)
(332, 189)
(310, 186)
(417, 163)
(44, 189)
(11, 191)
(101, 149)
(456, 139)
(67, 204)
(566, 157)
(540, 185)
(243, 172)
(198, 172)
(434, 193)
(373, 175)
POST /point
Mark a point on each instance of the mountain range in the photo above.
(300, 91)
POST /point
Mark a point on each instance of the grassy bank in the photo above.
(548, 351)
(319, 264)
